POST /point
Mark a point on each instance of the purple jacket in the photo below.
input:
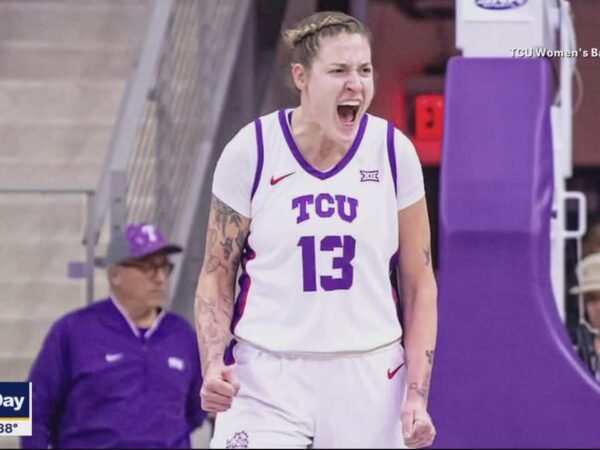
(99, 382)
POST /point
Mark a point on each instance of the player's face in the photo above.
(144, 281)
(339, 86)
(592, 306)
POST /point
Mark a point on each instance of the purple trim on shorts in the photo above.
(260, 148)
(305, 165)
(391, 148)
(245, 282)
(229, 357)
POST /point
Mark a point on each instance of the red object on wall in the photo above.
(429, 125)
(429, 117)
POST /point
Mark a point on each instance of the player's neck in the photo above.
(318, 150)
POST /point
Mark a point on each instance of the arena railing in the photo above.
(169, 119)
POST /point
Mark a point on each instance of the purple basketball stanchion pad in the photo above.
(505, 374)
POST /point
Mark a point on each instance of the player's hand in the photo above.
(417, 426)
(219, 387)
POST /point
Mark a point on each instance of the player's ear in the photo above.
(299, 75)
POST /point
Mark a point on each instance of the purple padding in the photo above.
(505, 373)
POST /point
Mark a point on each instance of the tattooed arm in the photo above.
(419, 308)
(226, 233)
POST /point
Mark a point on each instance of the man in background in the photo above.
(122, 372)
(591, 241)
(588, 330)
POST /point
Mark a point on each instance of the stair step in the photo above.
(88, 21)
(15, 367)
(27, 215)
(41, 299)
(38, 258)
(23, 337)
(45, 175)
(48, 62)
(13, 442)
(42, 100)
(54, 142)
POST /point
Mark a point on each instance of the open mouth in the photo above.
(347, 111)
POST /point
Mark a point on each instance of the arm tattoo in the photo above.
(427, 252)
(227, 247)
(212, 238)
(429, 354)
(213, 263)
(225, 215)
(213, 339)
(226, 236)
(240, 242)
(206, 306)
(423, 391)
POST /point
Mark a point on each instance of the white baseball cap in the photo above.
(588, 274)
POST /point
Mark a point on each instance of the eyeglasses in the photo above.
(150, 268)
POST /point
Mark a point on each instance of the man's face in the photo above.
(143, 281)
(592, 308)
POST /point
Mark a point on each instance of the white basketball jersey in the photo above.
(317, 260)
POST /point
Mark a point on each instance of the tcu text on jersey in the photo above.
(325, 205)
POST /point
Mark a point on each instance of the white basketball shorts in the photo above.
(320, 401)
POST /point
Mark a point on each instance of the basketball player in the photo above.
(317, 203)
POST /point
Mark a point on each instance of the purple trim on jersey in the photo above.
(260, 149)
(244, 282)
(391, 148)
(394, 260)
(305, 165)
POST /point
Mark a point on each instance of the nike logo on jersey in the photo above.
(274, 180)
(392, 373)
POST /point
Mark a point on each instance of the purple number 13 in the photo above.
(343, 262)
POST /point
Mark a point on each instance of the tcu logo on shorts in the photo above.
(238, 440)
